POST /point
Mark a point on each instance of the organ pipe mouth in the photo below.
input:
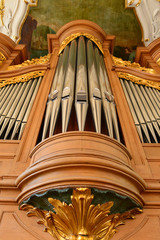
(80, 97)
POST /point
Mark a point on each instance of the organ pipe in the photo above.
(81, 78)
(144, 105)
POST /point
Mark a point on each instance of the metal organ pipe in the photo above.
(68, 88)
(144, 105)
(15, 107)
(81, 78)
(81, 92)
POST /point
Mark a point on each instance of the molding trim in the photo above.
(81, 26)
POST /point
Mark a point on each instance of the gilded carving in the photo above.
(22, 78)
(130, 77)
(2, 11)
(80, 220)
(2, 58)
(27, 76)
(34, 61)
(120, 62)
(158, 61)
(139, 2)
(139, 80)
(76, 35)
(133, 3)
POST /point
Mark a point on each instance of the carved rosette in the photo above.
(148, 13)
(80, 219)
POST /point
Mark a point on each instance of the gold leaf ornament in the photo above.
(73, 36)
(132, 78)
(80, 220)
(2, 58)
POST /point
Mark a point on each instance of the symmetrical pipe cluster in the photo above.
(144, 104)
(81, 77)
(16, 101)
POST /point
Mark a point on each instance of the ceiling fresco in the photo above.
(110, 15)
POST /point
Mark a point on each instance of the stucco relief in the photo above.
(12, 16)
(148, 12)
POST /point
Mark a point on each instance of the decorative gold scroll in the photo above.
(139, 2)
(27, 76)
(158, 61)
(80, 220)
(120, 62)
(130, 77)
(2, 58)
(76, 35)
(22, 78)
(34, 61)
(2, 7)
(139, 80)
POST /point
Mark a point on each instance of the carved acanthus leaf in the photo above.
(80, 219)
(34, 61)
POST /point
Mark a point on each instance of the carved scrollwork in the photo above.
(2, 58)
(133, 3)
(76, 35)
(135, 79)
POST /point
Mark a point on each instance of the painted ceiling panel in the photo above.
(110, 15)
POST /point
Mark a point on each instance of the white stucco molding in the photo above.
(148, 13)
(13, 14)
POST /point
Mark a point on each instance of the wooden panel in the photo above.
(152, 151)
(14, 224)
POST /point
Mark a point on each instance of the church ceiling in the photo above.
(111, 15)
